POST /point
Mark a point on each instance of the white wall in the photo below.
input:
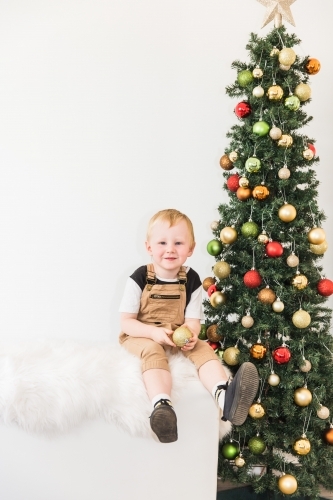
(110, 111)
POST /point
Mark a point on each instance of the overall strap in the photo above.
(182, 278)
(151, 277)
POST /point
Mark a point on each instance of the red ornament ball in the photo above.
(233, 182)
(252, 279)
(213, 345)
(281, 355)
(243, 109)
(325, 287)
(274, 249)
(313, 149)
(211, 290)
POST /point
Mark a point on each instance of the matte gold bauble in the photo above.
(233, 156)
(285, 141)
(292, 260)
(221, 269)
(284, 173)
(239, 461)
(275, 133)
(244, 182)
(287, 484)
(247, 321)
(287, 212)
(287, 56)
(266, 296)
(257, 72)
(319, 249)
(218, 299)
(231, 355)
(303, 91)
(260, 192)
(305, 366)
(212, 334)
(302, 396)
(323, 412)
(181, 336)
(228, 235)
(275, 93)
(263, 238)
(243, 193)
(316, 236)
(214, 225)
(301, 319)
(278, 305)
(226, 163)
(256, 410)
(308, 154)
(299, 281)
(302, 446)
(258, 351)
(273, 379)
(207, 282)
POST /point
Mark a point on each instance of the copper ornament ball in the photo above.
(258, 351)
(287, 212)
(319, 249)
(328, 436)
(301, 319)
(212, 334)
(207, 282)
(226, 163)
(302, 396)
(316, 235)
(287, 484)
(266, 296)
(243, 193)
(260, 192)
(312, 66)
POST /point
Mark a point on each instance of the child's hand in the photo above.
(193, 340)
(162, 336)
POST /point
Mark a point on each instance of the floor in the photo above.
(223, 486)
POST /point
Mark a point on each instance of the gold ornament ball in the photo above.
(319, 249)
(228, 235)
(260, 192)
(301, 319)
(305, 366)
(239, 461)
(275, 93)
(299, 281)
(258, 351)
(212, 334)
(308, 154)
(274, 52)
(303, 91)
(243, 193)
(284, 173)
(207, 282)
(221, 269)
(257, 73)
(218, 299)
(287, 212)
(287, 484)
(302, 446)
(266, 296)
(256, 410)
(323, 412)
(287, 56)
(233, 156)
(214, 225)
(278, 305)
(273, 379)
(292, 260)
(316, 236)
(231, 355)
(302, 396)
(275, 133)
(247, 321)
(263, 238)
(226, 163)
(285, 141)
(181, 336)
(244, 182)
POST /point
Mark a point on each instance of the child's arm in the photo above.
(193, 325)
(133, 327)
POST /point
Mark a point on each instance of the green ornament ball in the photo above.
(203, 332)
(230, 450)
(250, 229)
(252, 164)
(257, 445)
(244, 77)
(292, 102)
(214, 247)
(261, 128)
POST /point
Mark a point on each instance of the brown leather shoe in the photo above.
(163, 422)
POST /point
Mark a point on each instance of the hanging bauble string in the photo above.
(299, 281)
(233, 182)
(302, 445)
(247, 321)
(287, 212)
(214, 225)
(292, 103)
(242, 109)
(213, 335)
(287, 484)
(325, 287)
(323, 412)
(274, 249)
(316, 235)
(226, 163)
(261, 128)
(231, 355)
(218, 299)
(243, 193)
(284, 173)
(308, 154)
(303, 91)
(281, 355)
(263, 238)
(278, 305)
(244, 77)
(214, 247)
(312, 66)
(285, 141)
(258, 91)
(287, 56)
(301, 319)
(233, 156)
(250, 229)
(260, 192)
(256, 445)
(275, 93)
(253, 164)
(273, 379)
(221, 269)
(292, 260)
(230, 450)
(228, 235)
(207, 282)
(319, 249)
(212, 289)
(275, 133)
(252, 279)
(266, 295)
(302, 396)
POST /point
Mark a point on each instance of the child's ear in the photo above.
(148, 247)
(191, 250)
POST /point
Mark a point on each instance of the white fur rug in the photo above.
(52, 386)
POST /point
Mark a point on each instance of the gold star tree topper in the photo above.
(277, 9)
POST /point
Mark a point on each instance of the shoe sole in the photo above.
(246, 388)
(163, 422)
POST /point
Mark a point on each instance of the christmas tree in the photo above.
(265, 298)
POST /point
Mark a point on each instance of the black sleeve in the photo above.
(193, 283)
(139, 276)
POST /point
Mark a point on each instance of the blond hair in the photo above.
(173, 217)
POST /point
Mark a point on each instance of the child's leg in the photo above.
(157, 382)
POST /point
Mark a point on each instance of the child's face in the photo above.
(169, 247)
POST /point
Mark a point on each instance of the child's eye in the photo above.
(162, 242)
(179, 242)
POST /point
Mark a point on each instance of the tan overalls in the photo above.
(163, 306)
